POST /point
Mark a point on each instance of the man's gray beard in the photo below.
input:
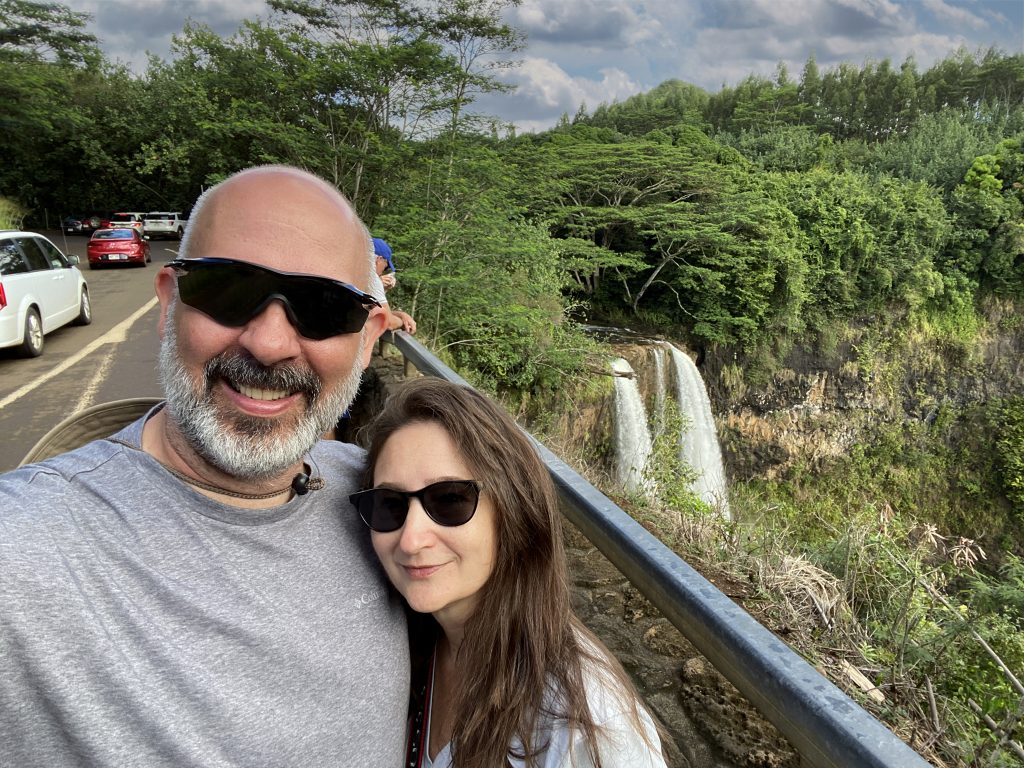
(248, 448)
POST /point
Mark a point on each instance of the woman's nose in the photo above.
(419, 530)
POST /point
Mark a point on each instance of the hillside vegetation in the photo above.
(871, 215)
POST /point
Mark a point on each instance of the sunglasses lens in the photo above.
(228, 294)
(322, 309)
(232, 293)
(447, 503)
(451, 503)
(383, 509)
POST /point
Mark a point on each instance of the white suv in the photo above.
(163, 224)
(126, 220)
(41, 289)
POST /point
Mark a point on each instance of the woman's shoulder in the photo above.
(627, 736)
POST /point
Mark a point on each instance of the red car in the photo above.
(118, 246)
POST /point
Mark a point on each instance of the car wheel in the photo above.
(32, 344)
(181, 231)
(84, 309)
(93, 266)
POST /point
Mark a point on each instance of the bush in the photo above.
(1009, 426)
(11, 214)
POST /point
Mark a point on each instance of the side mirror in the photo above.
(73, 259)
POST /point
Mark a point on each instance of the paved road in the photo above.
(114, 358)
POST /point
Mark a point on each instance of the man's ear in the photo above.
(165, 291)
(376, 324)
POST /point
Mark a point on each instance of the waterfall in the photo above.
(659, 387)
(632, 437)
(698, 445)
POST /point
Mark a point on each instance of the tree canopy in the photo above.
(753, 217)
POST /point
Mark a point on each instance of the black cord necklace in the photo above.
(301, 485)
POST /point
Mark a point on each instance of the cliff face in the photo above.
(816, 406)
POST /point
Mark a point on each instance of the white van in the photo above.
(41, 289)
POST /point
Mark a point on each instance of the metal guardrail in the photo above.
(827, 727)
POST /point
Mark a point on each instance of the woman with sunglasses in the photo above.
(464, 519)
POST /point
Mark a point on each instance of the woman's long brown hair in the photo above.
(523, 639)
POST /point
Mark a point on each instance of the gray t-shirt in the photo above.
(144, 624)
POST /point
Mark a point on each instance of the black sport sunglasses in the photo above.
(234, 292)
(448, 503)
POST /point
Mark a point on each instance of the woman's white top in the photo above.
(620, 744)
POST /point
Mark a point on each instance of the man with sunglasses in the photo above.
(191, 590)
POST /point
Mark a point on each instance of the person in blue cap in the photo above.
(397, 319)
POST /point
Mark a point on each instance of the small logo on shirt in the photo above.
(371, 597)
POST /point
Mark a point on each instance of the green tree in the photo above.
(988, 206)
(939, 148)
(483, 282)
(669, 103)
(809, 92)
(392, 71)
(45, 32)
(44, 56)
(1009, 429)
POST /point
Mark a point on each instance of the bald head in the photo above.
(284, 218)
(249, 395)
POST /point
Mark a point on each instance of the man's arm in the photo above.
(400, 321)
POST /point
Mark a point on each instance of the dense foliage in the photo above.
(757, 217)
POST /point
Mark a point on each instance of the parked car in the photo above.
(129, 220)
(84, 223)
(41, 290)
(163, 224)
(72, 225)
(117, 246)
(93, 221)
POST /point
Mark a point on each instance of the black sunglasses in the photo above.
(448, 503)
(234, 292)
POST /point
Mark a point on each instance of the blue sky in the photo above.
(593, 51)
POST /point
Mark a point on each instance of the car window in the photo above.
(114, 234)
(55, 257)
(33, 253)
(11, 262)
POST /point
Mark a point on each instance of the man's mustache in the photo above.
(246, 371)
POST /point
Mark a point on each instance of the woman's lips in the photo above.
(421, 571)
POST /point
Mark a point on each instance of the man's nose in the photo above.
(270, 337)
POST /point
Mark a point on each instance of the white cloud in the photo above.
(946, 12)
(544, 92)
(873, 8)
(546, 83)
(611, 24)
